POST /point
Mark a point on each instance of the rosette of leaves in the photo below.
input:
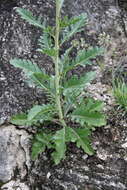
(66, 102)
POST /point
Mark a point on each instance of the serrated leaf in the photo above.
(37, 114)
(41, 80)
(39, 110)
(60, 146)
(28, 16)
(46, 45)
(65, 22)
(40, 113)
(84, 56)
(93, 105)
(19, 119)
(81, 138)
(76, 84)
(27, 66)
(82, 116)
(74, 28)
(50, 52)
(41, 141)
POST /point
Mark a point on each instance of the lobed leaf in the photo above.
(46, 45)
(20, 119)
(81, 138)
(76, 84)
(37, 114)
(69, 31)
(60, 146)
(89, 114)
(41, 141)
(33, 72)
(27, 66)
(83, 57)
(28, 16)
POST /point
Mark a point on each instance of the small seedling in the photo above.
(66, 103)
(120, 93)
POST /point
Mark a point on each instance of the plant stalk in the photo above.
(57, 73)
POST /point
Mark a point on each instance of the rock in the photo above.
(124, 145)
(14, 153)
(17, 185)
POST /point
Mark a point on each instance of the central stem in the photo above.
(57, 74)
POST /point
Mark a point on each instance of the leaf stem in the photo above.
(57, 73)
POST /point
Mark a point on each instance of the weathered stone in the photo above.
(14, 153)
(17, 185)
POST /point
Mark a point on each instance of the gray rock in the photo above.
(17, 185)
(14, 153)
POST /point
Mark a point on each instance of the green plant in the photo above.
(66, 102)
(120, 93)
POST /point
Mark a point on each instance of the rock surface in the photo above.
(14, 153)
(108, 168)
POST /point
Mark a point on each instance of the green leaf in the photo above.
(41, 141)
(50, 52)
(81, 138)
(39, 110)
(40, 113)
(41, 80)
(84, 56)
(66, 22)
(37, 114)
(60, 146)
(76, 84)
(93, 105)
(33, 72)
(85, 114)
(19, 119)
(46, 45)
(27, 66)
(69, 31)
(28, 16)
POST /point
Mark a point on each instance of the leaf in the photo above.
(60, 146)
(27, 66)
(93, 105)
(19, 119)
(81, 137)
(39, 110)
(89, 115)
(33, 72)
(28, 16)
(37, 114)
(46, 45)
(41, 141)
(40, 113)
(65, 22)
(76, 84)
(50, 52)
(83, 57)
(74, 28)
(41, 80)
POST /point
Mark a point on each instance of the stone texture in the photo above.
(14, 153)
(17, 185)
